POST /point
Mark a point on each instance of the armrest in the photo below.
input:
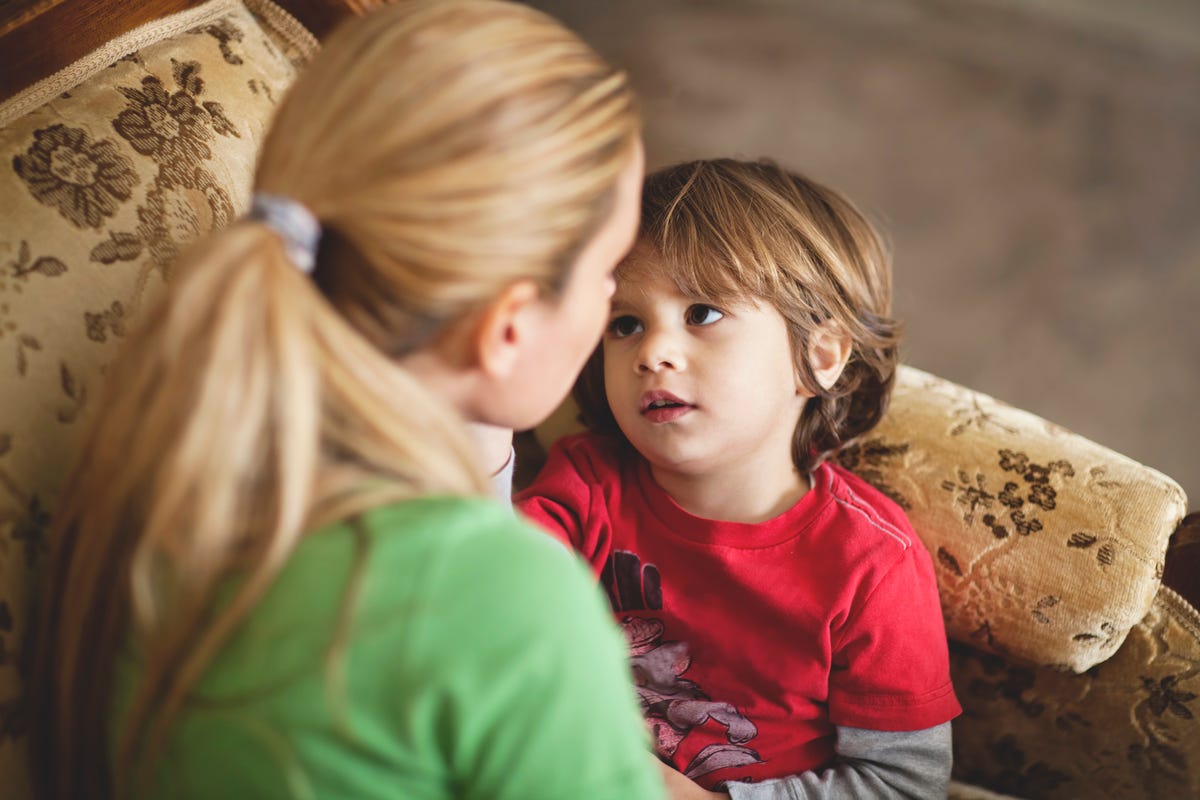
(1048, 547)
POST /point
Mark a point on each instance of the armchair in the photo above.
(127, 130)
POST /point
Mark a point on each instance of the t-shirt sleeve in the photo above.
(534, 678)
(891, 667)
(564, 500)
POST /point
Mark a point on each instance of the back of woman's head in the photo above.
(447, 148)
(729, 230)
(481, 153)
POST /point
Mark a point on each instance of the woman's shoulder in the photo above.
(455, 528)
(416, 576)
(474, 552)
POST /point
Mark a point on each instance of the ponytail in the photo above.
(243, 412)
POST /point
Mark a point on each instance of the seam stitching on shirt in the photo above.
(888, 529)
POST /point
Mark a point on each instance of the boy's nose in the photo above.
(658, 351)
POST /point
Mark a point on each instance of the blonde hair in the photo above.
(729, 230)
(448, 148)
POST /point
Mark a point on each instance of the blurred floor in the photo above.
(1039, 179)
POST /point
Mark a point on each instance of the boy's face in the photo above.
(699, 388)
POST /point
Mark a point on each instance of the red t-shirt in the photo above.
(750, 642)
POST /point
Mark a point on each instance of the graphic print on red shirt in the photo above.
(672, 705)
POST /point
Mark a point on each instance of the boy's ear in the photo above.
(828, 351)
(503, 328)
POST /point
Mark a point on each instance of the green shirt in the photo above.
(481, 662)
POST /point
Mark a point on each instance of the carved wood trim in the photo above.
(49, 35)
(15, 14)
(40, 37)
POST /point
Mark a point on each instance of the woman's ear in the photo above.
(828, 351)
(503, 328)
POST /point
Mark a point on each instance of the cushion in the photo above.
(1126, 728)
(107, 169)
(1048, 547)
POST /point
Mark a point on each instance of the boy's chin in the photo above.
(677, 462)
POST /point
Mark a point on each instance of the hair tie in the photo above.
(294, 223)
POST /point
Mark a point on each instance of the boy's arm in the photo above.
(869, 764)
(565, 500)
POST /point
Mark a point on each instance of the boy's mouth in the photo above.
(660, 399)
(659, 406)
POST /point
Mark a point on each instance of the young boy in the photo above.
(782, 616)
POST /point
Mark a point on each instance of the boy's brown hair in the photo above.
(730, 230)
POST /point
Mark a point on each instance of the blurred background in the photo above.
(1035, 163)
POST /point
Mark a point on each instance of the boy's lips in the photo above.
(662, 406)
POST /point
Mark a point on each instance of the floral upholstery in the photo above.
(1048, 547)
(107, 169)
(1127, 728)
(1049, 552)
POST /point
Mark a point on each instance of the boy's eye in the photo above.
(700, 314)
(624, 326)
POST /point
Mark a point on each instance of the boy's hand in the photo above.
(494, 445)
(681, 787)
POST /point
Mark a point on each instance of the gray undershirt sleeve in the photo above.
(868, 764)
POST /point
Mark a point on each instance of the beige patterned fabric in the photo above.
(1126, 728)
(1048, 548)
(1049, 552)
(106, 170)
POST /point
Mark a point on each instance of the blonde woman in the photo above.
(275, 573)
